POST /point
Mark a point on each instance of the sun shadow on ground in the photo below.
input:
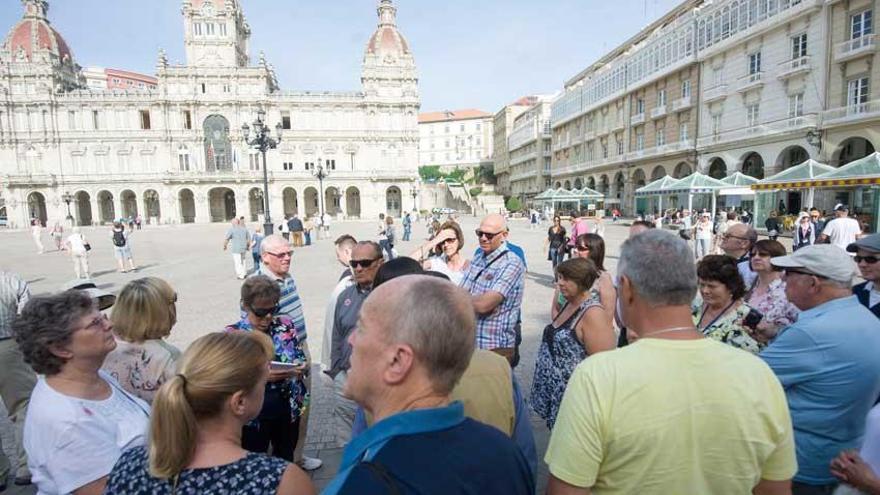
(540, 278)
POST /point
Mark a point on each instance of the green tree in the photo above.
(475, 191)
(514, 204)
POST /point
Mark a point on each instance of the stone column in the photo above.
(203, 209)
(117, 205)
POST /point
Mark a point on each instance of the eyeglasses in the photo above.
(489, 235)
(286, 254)
(867, 259)
(362, 263)
(99, 321)
(730, 236)
(789, 271)
(263, 312)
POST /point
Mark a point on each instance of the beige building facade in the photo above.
(455, 139)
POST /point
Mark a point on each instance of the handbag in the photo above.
(87, 246)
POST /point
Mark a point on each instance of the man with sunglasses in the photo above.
(867, 250)
(276, 255)
(366, 258)
(826, 361)
(495, 281)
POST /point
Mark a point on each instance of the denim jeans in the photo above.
(557, 255)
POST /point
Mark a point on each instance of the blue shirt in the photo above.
(500, 271)
(432, 451)
(829, 365)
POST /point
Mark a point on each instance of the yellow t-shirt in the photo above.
(672, 417)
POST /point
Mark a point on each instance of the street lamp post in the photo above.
(321, 174)
(68, 198)
(263, 141)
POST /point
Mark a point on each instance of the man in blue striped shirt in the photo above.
(276, 255)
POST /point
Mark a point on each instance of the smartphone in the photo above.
(753, 318)
(279, 366)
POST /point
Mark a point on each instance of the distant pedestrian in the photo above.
(284, 229)
(239, 238)
(308, 230)
(78, 247)
(842, 230)
(555, 242)
(703, 237)
(325, 225)
(122, 246)
(296, 230)
(773, 225)
(407, 227)
(37, 234)
(804, 232)
(58, 236)
(138, 221)
(256, 241)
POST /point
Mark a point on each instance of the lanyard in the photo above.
(714, 320)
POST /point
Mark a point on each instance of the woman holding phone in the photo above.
(722, 315)
(286, 397)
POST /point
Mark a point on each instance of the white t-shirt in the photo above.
(71, 442)
(77, 243)
(438, 264)
(842, 231)
(704, 230)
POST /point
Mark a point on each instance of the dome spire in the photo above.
(387, 13)
(35, 9)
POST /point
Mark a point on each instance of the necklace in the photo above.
(667, 330)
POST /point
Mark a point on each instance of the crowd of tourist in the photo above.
(751, 371)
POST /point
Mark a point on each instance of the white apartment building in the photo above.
(530, 149)
(455, 139)
(754, 86)
(502, 127)
(177, 153)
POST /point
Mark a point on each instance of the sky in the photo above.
(469, 53)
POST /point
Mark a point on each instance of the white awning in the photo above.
(736, 191)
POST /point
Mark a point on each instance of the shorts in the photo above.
(122, 252)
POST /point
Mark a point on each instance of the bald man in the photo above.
(414, 341)
(737, 243)
(495, 282)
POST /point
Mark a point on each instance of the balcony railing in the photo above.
(681, 104)
(760, 130)
(658, 112)
(750, 82)
(851, 113)
(638, 118)
(715, 93)
(857, 47)
(793, 67)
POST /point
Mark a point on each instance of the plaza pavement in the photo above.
(191, 259)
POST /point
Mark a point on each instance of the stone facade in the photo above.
(177, 154)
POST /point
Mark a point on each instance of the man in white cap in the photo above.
(842, 230)
(826, 360)
(867, 254)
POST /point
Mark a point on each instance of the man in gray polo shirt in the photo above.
(366, 258)
(240, 238)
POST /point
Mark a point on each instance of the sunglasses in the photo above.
(286, 254)
(447, 241)
(867, 259)
(362, 263)
(489, 235)
(263, 312)
(582, 248)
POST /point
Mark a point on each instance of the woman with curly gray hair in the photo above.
(79, 420)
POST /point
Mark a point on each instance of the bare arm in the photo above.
(596, 332)
(768, 487)
(556, 486)
(487, 302)
(94, 488)
(607, 295)
(295, 482)
(554, 305)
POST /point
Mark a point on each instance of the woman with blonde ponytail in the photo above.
(195, 428)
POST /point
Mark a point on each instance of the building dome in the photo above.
(33, 35)
(387, 40)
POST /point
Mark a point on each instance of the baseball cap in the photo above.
(868, 243)
(841, 207)
(102, 297)
(825, 260)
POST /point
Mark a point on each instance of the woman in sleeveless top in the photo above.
(579, 330)
(195, 427)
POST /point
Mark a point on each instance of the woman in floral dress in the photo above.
(767, 294)
(286, 397)
(721, 314)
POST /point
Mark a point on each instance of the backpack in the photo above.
(118, 238)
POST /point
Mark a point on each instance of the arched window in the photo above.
(218, 151)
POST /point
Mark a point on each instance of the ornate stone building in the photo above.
(176, 154)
